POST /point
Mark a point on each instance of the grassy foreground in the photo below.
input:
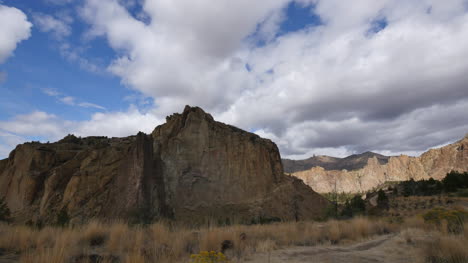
(118, 242)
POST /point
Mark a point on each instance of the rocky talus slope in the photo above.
(191, 169)
(435, 163)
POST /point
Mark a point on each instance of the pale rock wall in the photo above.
(435, 163)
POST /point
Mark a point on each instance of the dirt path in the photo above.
(388, 248)
(392, 248)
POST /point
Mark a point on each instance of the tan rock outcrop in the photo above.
(435, 163)
(191, 168)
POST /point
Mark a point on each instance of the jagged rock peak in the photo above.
(189, 110)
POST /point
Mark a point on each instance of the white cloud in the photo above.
(90, 105)
(339, 87)
(47, 23)
(60, 26)
(74, 55)
(181, 57)
(69, 100)
(37, 123)
(8, 142)
(51, 127)
(50, 92)
(118, 124)
(14, 28)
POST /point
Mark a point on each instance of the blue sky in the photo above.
(322, 77)
(38, 66)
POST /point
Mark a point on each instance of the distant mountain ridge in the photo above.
(352, 162)
(435, 163)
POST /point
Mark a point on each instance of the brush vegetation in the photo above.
(164, 242)
(161, 242)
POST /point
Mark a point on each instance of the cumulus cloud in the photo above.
(376, 75)
(118, 124)
(14, 28)
(387, 76)
(36, 123)
(8, 142)
(41, 124)
(180, 57)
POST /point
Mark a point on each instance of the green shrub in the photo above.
(455, 218)
(452, 182)
(330, 212)
(382, 200)
(455, 180)
(353, 207)
(462, 193)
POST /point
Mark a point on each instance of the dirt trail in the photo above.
(393, 248)
(389, 248)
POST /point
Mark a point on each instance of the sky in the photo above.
(315, 76)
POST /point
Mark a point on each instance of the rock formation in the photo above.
(352, 162)
(191, 169)
(435, 163)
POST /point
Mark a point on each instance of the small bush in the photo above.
(462, 193)
(454, 218)
(382, 200)
(446, 249)
(208, 257)
(356, 206)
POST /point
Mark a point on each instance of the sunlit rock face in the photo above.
(435, 163)
(191, 168)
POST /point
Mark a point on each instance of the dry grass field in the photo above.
(160, 242)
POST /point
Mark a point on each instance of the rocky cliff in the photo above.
(435, 163)
(352, 162)
(191, 168)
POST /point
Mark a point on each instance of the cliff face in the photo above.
(191, 168)
(352, 162)
(435, 163)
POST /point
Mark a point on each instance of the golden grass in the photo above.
(162, 242)
(440, 243)
(446, 248)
